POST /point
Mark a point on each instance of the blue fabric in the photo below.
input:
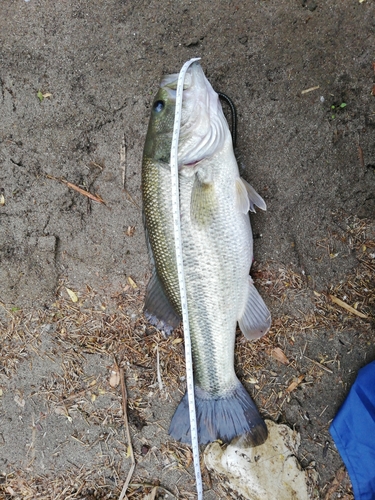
(353, 430)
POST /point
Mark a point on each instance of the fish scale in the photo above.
(157, 208)
(217, 254)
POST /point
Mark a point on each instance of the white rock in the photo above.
(265, 472)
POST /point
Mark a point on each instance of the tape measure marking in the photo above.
(181, 276)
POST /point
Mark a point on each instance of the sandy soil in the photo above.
(76, 78)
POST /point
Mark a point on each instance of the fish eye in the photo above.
(158, 106)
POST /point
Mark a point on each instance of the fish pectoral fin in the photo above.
(256, 318)
(158, 310)
(203, 202)
(247, 197)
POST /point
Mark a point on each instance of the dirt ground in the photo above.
(76, 78)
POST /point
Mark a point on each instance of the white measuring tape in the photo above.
(181, 276)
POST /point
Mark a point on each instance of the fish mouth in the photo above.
(192, 164)
(171, 80)
(203, 126)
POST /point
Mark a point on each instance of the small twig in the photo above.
(160, 382)
(123, 161)
(123, 165)
(75, 395)
(310, 89)
(367, 265)
(321, 413)
(346, 306)
(132, 199)
(33, 436)
(130, 447)
(149, 485)
(360, 156)
(76, 188)
(319, 364)
(152, 495)
(2, 304)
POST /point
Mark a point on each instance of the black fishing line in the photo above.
(233, 112)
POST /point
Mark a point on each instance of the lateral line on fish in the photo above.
(181, 276)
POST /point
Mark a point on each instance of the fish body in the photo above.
(217, 254)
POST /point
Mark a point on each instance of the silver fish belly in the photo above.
(217, 255)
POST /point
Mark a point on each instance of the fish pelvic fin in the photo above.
(231, 416)
(158, 310)
(256, 318)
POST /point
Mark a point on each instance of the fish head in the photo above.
(160, 127)
(204, 128)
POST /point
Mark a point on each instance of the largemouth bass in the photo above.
(217, 254)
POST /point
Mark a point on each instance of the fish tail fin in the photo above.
(225, 418)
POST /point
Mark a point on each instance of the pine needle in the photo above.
(78, 189)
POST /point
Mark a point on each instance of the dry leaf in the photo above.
(130, 231)
(295, 383)
(346, 306)
(19, 401)
(278, 354)
(132, 283)
(114, 379)
(61, 410)
(252, 380)
(72, 295)
(152, 494)
(189, 458)
(336, 483)
(177, 341)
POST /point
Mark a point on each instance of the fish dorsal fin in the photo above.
(247, 197)
(256, 318)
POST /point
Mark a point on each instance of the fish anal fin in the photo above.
(256, 318)
(158, 310)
